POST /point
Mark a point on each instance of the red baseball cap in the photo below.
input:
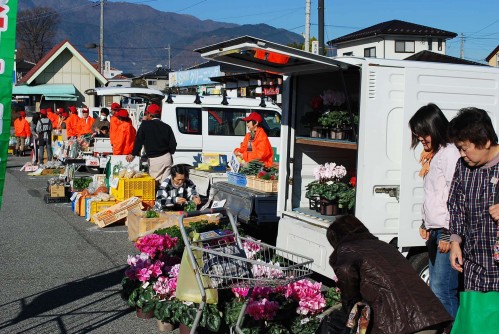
(22, 113)
(153, 109)
(115, 106)
(73, 110)
(43, 111)
(64, 114)
(59, 111)
(85, 110)
(49, 110)
(122, 113)
(253, 116)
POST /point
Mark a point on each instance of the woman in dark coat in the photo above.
(375, 272)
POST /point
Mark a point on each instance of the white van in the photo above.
(384, 94)
(202, 123)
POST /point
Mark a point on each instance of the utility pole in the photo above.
(169, 57)
(101, 42)
(307, 25)
(321, 27)
(462, 46)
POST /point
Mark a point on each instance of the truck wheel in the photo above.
(420, 263)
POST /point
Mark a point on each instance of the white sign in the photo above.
(234, 164)
(315, 47)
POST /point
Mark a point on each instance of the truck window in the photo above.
(189, 120)
(271, 121)
(226, 122)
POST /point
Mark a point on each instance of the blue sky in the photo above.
(477, 20)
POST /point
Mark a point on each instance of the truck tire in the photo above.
(420, 263)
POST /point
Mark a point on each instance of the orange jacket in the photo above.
(114, 122)
(124, 139)
(72, 125)
(85, 125)
(54, 119)
(262, 150)
(21, 127)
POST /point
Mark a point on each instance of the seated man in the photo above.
(176, 190)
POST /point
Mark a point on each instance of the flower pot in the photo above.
(316, 132)
(184, 329)
(328, 208)
(338, 134)
(144, 315)
(164, 326)
(313, 203)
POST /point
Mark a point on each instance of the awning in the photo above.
(52, 92)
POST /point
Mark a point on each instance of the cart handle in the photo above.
(203, 212)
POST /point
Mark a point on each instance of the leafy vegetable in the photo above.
(190, 206)
(151, 214)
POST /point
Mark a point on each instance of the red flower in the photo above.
(260, 174)
(272, 177)
(353, 181)
(316, 103)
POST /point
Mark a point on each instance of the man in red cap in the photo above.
(113, 121)
(85, 122)
(124, 135)
(44, 136)
(52, 117)
(256, 144)
(159, 144)
(22, 131)
(72, 122)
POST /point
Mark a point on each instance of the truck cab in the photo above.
(383, 94)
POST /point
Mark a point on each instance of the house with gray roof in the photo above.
(393, 39)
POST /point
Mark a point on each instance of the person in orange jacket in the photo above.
(124, 135)
(22, 131)
(113, 121)
(72, 122)
(85, 122)
(53, 118)
(256, 144)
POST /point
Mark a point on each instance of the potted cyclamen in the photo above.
(328, 177)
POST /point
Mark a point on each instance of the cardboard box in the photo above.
(57, 190)
(139, 225)
(116, 212)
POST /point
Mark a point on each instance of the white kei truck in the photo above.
(384, 94)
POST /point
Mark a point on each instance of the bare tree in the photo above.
(35, 32)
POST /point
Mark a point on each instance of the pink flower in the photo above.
(308, 294)
(143, 274)
(152, 244)
(262, 309)
(173, 272)
(240, 292)
(156, 268)
(251, 248)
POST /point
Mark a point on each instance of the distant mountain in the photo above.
(136, 36)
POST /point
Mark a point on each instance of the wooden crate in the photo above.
(269, 186)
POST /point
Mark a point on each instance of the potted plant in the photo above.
(327, 186)
(334, 121)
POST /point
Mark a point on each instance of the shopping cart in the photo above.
(220, 262)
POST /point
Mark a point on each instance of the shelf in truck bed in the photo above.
(349, 145)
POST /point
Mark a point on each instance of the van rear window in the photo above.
(228, 121)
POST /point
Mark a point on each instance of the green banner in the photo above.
(8, 13)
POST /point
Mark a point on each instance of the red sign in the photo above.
(271, 91)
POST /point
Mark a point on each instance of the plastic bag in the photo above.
(187, 286)
(478, 313)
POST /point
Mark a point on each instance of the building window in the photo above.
(348, 53)
(430, 43)
(370, 52)
(189, 120)
(151, 82)
(440, 42)
(404, 46)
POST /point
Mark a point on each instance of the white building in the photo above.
(392, 40)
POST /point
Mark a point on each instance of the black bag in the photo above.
(334, 323)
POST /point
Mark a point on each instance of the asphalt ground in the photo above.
(58, 272)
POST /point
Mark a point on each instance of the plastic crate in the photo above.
(236, 179)
(49, 199)
(143, 187)
(94, 207)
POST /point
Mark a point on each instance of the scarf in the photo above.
(250, 142)
(425, 162)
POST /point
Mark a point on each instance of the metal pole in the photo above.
(307, 26)
(169, 58)
(462, 46)
(321, 27)
(101, 43)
